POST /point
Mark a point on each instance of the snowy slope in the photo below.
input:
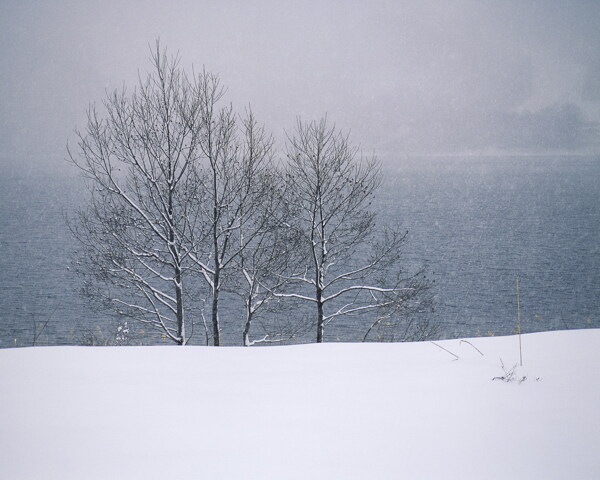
(331, 411)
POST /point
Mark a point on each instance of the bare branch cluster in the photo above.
(187, 204)
(351, 268)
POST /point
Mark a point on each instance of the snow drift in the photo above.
(347, 411)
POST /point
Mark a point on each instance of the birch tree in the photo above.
(264, 264)
(351, 269)
(139, 158)
(236, 158)
(178, 186)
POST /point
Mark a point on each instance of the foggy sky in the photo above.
(406, 77)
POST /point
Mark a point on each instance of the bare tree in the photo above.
(351, 269)
(270, 253)
(184, 195)
(237, 156)
(139, 161)
(179, 186)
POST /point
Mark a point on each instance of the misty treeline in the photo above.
(190, 204)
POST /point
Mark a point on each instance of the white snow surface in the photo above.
(329, 411)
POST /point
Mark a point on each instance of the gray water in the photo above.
(480, 223)
(475, 223)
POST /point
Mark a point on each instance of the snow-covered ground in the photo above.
(331, 411)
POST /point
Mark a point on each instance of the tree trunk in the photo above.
(320, 316)
(215, 309)
(217, 275)
(246, 332)
(180, 314)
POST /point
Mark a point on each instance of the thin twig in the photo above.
(469, 343)
(446, 350)
(519, 322)
(36, 334)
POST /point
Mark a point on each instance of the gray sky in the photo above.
(405, 77)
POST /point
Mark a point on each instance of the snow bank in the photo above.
(343, 411)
